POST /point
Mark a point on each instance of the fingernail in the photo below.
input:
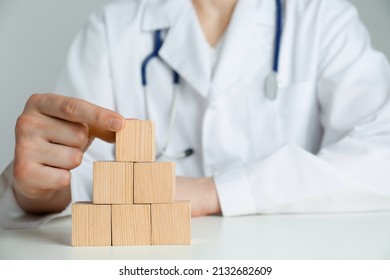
(116, 124)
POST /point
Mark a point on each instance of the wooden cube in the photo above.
(154, 182)
(131, 225)
(171, 223)
(112, 182)
(136, 142)
(91, 224)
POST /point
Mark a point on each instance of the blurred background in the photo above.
(35, 36)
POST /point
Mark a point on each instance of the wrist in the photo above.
(213, 206)
(54, 202)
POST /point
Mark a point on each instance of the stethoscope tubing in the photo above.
(278, 35)
(271, 82)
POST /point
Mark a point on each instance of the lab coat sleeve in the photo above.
(350, 173)
(11, 215)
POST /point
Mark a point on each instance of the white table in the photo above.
(343, 236)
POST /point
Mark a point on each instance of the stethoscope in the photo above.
(161, 151)
(271, 83)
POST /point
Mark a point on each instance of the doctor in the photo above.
(315, 137)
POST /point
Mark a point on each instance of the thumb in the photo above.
(105, 135)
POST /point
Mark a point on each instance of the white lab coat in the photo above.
(322, 146)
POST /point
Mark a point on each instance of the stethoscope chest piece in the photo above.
(271, 86)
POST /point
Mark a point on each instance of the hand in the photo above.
(52, 134)
(201, 192)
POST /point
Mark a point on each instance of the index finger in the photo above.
(78, 110)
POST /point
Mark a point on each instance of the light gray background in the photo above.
(35, 36)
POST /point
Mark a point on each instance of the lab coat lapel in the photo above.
(184, 49)
(248, 33)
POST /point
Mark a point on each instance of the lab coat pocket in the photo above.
(299, 114)
(291, 118)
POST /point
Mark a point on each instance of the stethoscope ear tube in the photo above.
(278, 34)
(158, 42)
(271, 82)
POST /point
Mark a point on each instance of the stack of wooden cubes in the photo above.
(133, 197)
